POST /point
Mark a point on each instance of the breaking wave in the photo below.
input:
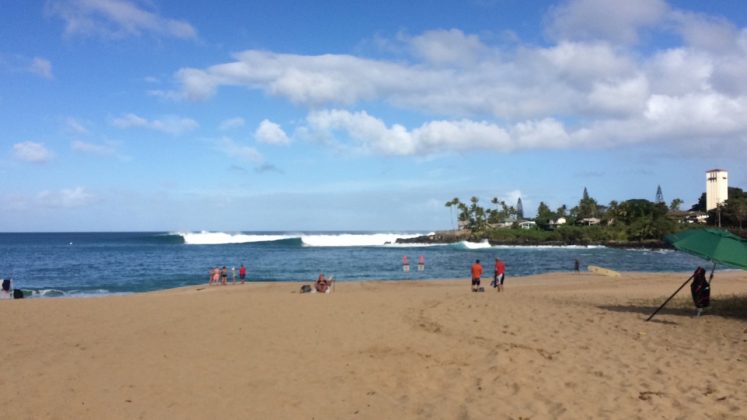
(294, 239)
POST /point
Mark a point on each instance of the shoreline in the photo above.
(62, 294)
(558, 345)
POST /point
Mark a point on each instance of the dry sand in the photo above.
(551, 346)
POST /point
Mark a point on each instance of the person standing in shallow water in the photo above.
(242, 273)
(476, 271)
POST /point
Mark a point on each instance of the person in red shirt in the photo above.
(242, 273)
(500, 273)
(476, 271)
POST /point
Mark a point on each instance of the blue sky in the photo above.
(351, 115)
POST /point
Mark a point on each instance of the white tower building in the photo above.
(717, 188)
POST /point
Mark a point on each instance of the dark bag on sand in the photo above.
(6, 285)
(17, 294)
(305, 288)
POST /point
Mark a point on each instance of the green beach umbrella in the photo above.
(715, 245)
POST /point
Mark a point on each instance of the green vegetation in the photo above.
(635, 221)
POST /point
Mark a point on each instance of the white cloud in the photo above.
(448, 47)
(66, 198)
(594, 87)
(365, 133)
(231, 124)
(29, 151)
(106, 149)
(170, 124)
(609, 20)
(621, 97)
(75, 126)
(238, 151)
(706, 32)
(116, 19)
(270, 133)
(42, 67)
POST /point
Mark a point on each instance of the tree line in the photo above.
(634, 220)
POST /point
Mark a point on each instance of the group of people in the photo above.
(406, 263)
(499, 275)
(219, 276)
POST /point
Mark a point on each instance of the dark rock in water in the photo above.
(437, 238)
(448, 237)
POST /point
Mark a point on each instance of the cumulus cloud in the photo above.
(41, 67)
(706, 32)
(171, 124)
(270, 133)
(597, 84)
(66, 198)
(29, 151)
(365, 133)
(450, 47)
(116, 19)
(608, 20)
(231, 124)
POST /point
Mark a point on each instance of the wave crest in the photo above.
(311, 239)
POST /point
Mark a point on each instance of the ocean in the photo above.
(92, 264)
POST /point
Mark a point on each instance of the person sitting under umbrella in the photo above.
(700, 290)
(322, 284)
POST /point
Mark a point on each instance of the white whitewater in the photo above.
(311, 239)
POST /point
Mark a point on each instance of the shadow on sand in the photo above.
(734, 306)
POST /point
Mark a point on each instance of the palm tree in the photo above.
(450, 204)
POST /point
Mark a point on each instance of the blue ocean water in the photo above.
(74, 264)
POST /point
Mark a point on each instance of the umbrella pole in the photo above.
(710, 278)
(670, 298)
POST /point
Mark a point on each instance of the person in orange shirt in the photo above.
(476, 273)
(500, 273)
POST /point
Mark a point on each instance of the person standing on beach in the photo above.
(499, 275)
(233, 274)
(476, 271)
(242, 273)
(224, 275)
(214, 276)
(421, 263)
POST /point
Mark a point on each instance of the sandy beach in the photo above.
(561, 345)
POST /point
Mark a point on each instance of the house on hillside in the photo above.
(527, 224)
(554, 224)
(689, 217)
